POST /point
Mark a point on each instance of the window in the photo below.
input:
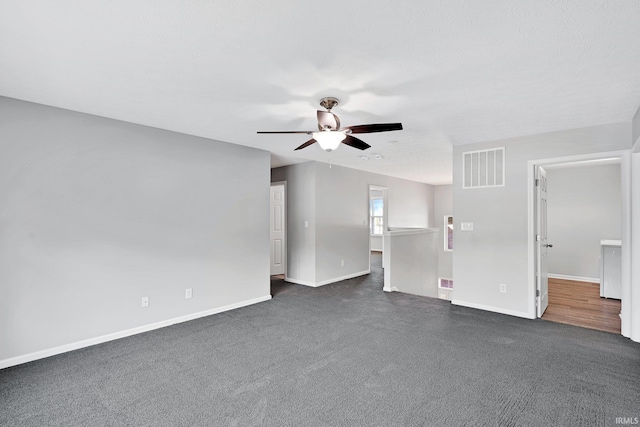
(445, 283)
(448, 232)
(376, 211)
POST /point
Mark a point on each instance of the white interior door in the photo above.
(542, 278)
(277, 229)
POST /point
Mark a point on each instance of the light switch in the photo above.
(306, 224)
(466, 226)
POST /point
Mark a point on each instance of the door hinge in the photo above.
(537, 182)
(537, 293)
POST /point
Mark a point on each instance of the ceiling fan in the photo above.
(330, 135)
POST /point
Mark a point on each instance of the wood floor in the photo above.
(579, 304)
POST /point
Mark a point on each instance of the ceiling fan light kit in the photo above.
(330, 135)
(329, 140)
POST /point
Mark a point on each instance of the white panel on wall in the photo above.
(277, 218)
(277, 252)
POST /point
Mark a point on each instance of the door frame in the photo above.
(385, 214)
(625, 176)
(284, 225)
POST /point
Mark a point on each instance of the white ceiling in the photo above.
(452, 71)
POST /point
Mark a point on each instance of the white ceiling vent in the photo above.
(483, 168)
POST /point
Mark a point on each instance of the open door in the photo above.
(277, 230)
(542, 279)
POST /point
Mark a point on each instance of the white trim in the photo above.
(574, 278)
(18, 360)
(391, 289)
(626, 303)
(300, 282)
(385, 210)
(493, 309)
(326, 282)
(631, 309)
(410, 231)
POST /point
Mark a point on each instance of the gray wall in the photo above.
(584, 206)
(340, 217)
(97, 213)
(497, 250)
(443, 205)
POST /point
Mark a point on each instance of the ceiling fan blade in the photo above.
(355, 142)
(381, 127)
(328, 120)
(306, 144)
(287, 131)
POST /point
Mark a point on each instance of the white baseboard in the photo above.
(18, 360)
(574, 278)
(491, 308)
(391, 289)
(299, 282)
(326, 282)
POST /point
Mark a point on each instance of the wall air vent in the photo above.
(483, 168)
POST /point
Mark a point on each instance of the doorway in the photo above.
(578, 205)
(277, 229)
(378, 221)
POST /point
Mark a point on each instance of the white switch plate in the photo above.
(188, 293)
(503, 288)
(306, 224)
(144, 302)
(466, 226)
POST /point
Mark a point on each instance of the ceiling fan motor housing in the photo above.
(329, 102)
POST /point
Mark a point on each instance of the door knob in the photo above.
(548, 246)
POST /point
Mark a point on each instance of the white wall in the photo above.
(497, 250)
(376, 243)
(97, 213)
(584, 206)
(341, 217)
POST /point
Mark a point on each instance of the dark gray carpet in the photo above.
(346, 354)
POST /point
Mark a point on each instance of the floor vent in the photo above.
(483, 168)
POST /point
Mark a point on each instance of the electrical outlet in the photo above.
(188, 293)
(503, 288)
(342, 263)
(144, 302)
